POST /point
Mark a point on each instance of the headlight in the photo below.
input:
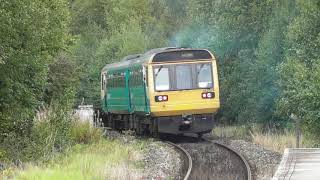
(161, 98)
(208, 95)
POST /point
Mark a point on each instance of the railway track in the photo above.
(245, 173)
(187, 167)
(245, 162)
(187, 160)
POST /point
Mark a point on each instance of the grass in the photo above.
(270, 140)
(275, 141)
(234, 132)
(105, 159)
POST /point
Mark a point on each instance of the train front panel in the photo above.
(184, 93)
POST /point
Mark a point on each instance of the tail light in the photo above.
(161, 98)
(208, 95)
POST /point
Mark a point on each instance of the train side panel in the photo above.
(125, 91)
(117, 92)
(138, 96)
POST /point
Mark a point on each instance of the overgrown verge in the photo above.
(54, 131)
(272, 140)
(61, 147)
(94, 154)
(104, 159)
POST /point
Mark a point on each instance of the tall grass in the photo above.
(82, 132)
(276, 141)
(234, 132)
(101, 160)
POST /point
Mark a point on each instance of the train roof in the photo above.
(142, 58)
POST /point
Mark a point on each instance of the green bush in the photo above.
(53, 132)
(49, 134)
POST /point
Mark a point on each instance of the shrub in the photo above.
(82, 132)
(50, 133)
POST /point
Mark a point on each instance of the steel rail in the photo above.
(186, 177)
(246, 163)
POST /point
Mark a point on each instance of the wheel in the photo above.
(112, 122)
(131, 122)
(137, 125)
(126, 125)
(154, 128)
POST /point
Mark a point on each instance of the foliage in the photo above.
(62, 80)
(50, 134)
(300, 72)
(32, 32)
(125, 27)
(270, 54)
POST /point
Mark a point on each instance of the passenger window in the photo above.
(162, 82)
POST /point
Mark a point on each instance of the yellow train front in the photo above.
(166, 90)
(183, 90)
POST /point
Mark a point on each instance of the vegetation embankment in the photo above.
(89, 156)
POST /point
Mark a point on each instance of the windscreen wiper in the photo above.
(202, 65)
(159, 70)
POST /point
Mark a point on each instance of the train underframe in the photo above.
(198, 124)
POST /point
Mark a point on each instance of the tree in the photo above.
(232, 30)
(118, 29)
(270, 54)
(300, 72)
(32, 32)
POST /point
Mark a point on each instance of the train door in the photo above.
(127, 79)
(146, 87)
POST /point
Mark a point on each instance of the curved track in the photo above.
(187, 166)
(196, 141)
(245, 162)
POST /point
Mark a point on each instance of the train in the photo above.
(168, 90)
